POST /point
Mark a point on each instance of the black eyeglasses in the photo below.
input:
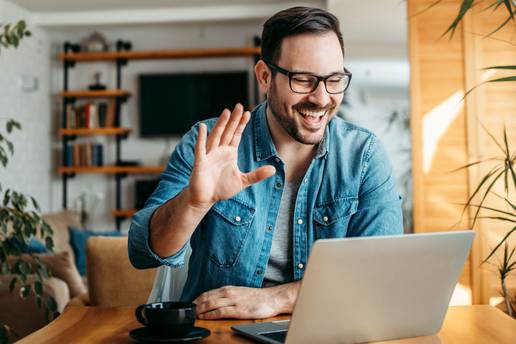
(304, 82)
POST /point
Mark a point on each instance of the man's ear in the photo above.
(263, 75)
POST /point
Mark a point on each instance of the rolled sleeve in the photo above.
(141, 254)
(379, 204)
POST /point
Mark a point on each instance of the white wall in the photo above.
(148, 151)
(30, 169)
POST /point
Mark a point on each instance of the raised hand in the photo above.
(215, 175)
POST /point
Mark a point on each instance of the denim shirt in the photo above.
(347, 191)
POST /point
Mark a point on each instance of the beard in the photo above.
(279, 111)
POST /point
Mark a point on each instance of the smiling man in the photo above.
(306, 175)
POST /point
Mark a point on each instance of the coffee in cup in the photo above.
(167, 319)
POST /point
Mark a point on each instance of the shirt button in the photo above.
(238, 219)
(279, 185)
(299, 221)
(300, 266)
(259, 271)
(269, 228)
(306, 180)
(325, 219)
(277, 159)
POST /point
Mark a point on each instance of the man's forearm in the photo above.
(285, 296)
(173, 223)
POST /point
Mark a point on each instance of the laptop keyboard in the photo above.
(279, 336)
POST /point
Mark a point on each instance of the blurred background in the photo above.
(409, 85)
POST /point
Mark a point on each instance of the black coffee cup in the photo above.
(167, 319)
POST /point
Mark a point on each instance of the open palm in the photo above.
(215, 175)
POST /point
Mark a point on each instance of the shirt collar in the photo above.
(263, 145)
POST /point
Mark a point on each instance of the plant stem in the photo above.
(507, 298)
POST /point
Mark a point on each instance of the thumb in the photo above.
(258, 175)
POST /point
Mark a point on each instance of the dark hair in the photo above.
(294, 21)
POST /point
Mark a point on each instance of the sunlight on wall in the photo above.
(461, 296)
(436, 123)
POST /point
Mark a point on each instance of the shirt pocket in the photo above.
(228, 230)
(331, 219)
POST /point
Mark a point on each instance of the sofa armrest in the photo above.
(79, 300)
(23, 315)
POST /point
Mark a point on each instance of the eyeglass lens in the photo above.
(307, 83)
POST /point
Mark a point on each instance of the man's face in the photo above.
(305, 116)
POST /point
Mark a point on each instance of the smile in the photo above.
(314, 114)
(312, 120)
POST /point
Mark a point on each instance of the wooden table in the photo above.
(469, 324)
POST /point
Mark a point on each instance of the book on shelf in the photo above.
(83, 155)
(91, 115)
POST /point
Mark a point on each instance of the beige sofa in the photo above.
(112, 280)
(23, 316)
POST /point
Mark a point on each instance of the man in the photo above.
(307, 175)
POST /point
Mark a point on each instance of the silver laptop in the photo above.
(372, 288)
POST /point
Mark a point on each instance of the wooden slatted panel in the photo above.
(438, 120)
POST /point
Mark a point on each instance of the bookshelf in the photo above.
(94, 94)
(93, 131)
(111, 169)
(160, 54)
(72, 55)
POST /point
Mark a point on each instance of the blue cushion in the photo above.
(78, 239)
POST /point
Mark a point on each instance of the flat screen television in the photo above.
(170, 104)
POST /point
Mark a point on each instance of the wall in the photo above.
(30, 169)
(148, 151)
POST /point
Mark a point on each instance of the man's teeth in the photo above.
(312, 113)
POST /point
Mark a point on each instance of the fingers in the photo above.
(237, 135)
(232, 125)
(218, 129)
(200, 145)
(258, 175)
(222, 313)
(211, 305)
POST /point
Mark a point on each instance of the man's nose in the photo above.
(320, 95)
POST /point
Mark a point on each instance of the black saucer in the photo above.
(143, 335)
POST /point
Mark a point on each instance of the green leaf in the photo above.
(499, 27)
(464, 7)
(49, 243)
(23, 267)
(499, 67)
(51, 304)
(35, 203)
(10, 146)
(472, 164)
(508, 78)
(7, 197)
(426, 8)
(25, 291)
(499, 244)
(38, 288)
(12, 284)
(12, 124)
(486, 192)
(493, 209)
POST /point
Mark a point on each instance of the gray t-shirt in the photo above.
(279, 268)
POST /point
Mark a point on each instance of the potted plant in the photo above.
(502, 168)
(20, 219)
